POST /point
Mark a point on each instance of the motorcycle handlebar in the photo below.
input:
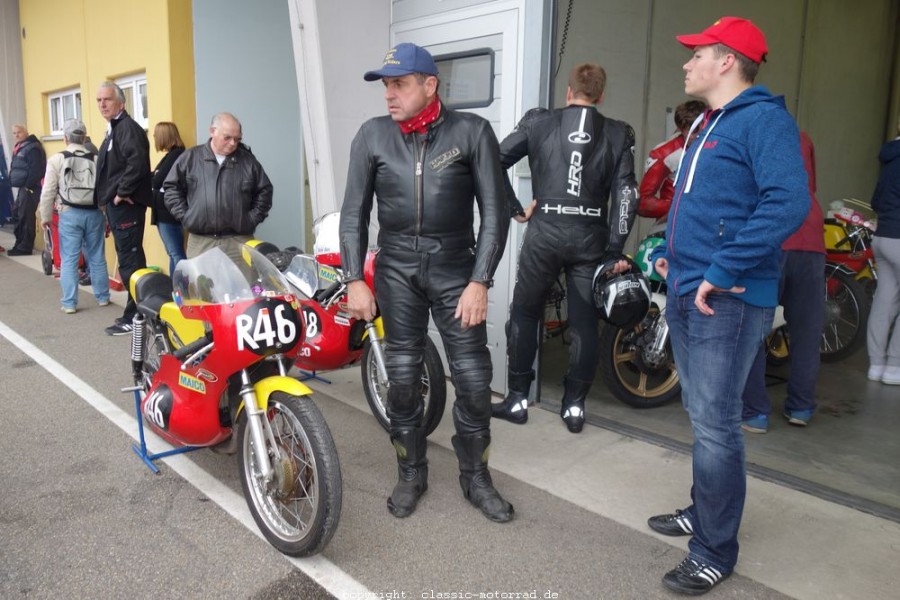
(187, 350)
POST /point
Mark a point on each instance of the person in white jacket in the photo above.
(81, 226)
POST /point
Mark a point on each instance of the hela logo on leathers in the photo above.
(572, 210)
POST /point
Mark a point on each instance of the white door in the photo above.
(496, 26)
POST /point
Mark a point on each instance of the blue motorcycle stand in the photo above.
(141, 450)
(307, 375)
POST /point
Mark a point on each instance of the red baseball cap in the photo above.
(738, 34)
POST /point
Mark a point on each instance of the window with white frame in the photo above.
(63, 106)
(135, 88)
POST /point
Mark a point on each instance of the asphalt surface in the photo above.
(82, 517)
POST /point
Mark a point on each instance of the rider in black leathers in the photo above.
(578, 159)
(428, 166)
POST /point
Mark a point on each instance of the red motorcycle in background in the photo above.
(334, 340)
(210, 370)
(850, 280)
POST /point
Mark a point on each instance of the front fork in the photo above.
(661, 325)
(260, 429)
(377, 342)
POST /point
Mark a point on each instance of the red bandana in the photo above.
(420, 122)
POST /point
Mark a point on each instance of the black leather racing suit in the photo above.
(579, 159)
(427, 186)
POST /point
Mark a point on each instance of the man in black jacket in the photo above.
(26, 171)
(428, 166)
(218, 190)
(123, 189)
(578, 158)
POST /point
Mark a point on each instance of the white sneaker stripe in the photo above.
(709, 574)
(685, 524)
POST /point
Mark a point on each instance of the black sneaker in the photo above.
(119, 328)
(674, 525)
(693, 578)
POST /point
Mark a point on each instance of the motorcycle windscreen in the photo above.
(216, 278)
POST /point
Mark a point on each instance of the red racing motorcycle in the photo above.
(334, 340)
(210, 356)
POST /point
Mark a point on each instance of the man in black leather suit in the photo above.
(579, 159)
(428, 166)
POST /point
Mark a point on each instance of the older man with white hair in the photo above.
(218, 190)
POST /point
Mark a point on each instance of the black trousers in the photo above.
(547, 249)
(409, 285)
(25, 208)
(126, 222)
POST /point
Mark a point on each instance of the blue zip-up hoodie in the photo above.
(741, 190)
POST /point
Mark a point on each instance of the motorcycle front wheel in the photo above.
(297, 512)
(434, 387)
(627, 368)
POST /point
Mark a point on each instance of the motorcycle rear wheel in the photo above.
(846, 317)
(434, 387)
(630, 379)
(299, 512)
(778, 347)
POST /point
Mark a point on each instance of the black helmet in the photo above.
(621, 299)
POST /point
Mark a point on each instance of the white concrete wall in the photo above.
(244, 64)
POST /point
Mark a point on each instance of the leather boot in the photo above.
(475, 479)
(572, 411)
(412, 469)
(515, 407)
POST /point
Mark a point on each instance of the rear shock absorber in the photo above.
(137, 346)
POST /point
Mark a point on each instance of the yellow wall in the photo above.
(81, 43)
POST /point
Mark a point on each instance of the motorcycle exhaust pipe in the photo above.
(137, 346)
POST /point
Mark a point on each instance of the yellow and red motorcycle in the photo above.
(211, 349)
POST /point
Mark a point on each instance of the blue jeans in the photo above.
(713, 355)
(172, 236)
(802, 294)
(82, 229)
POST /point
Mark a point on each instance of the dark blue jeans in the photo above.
(172, 236)
(713, 355)
(802, 294)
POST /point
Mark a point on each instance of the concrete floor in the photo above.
(582, 501)
(850, 452)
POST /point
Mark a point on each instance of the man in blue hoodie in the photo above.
(740, 191)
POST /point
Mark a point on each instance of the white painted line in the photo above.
(318, 568)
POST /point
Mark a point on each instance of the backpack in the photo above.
(77, 179)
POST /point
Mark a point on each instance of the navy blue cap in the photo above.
(404, 59)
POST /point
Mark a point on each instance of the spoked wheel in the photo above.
(434, 387)
(635, 373)
(298, 511)
(846, 317)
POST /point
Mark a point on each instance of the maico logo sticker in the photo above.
(327, 273)
(268, 326)
(191, 383)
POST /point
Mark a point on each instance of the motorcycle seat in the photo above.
(151, 291)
